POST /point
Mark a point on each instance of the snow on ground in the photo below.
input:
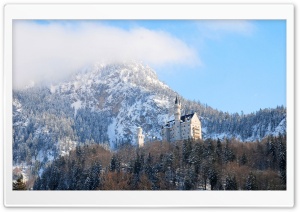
(220, 136)
(53, 88)
(163, 118)
(17, 104)
(66, 145)
(76, 105)
(111, 131)
(281, 128)
(164, 103)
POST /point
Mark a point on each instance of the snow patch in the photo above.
(111, 131)
(164, 103)
(281, 128)
(53, 88)
(76, 105)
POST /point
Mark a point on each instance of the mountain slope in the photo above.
(106, 103)
(125, 96)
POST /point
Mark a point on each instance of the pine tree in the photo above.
(230, 183)
(94, 175)
(188, 184)
(228, 153)
(205, 173)
(87, 184)
(210, 147)
(251, 183)
(137, 165)
(186, 150)
(37, 184)
(243, 160)
(219, 151)
(213, 178)
(282, 162)
(271, 152)
(113, 163)
(196, 157)
(54, 178)
(148, 165)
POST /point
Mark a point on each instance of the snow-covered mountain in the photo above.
(126, 95)
(106, 103)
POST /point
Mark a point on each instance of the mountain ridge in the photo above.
(106, 103)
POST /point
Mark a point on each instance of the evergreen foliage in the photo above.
(251, 183)
(230, 183)
(182, 165)
(102, 104)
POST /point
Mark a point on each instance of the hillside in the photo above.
(104, 104)
(181, 165)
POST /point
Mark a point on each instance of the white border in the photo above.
(147, 198)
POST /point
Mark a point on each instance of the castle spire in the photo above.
(177, 100)
(177, 108)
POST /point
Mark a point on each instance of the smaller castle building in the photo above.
(182, 127)
(140, 137)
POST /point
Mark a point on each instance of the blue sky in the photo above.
(242, 68)
(232, 66)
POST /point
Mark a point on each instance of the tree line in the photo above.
(183, 165)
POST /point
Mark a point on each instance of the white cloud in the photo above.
(50, 52)
(219, 27)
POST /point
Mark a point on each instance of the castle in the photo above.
(140, 137)
(182, 127)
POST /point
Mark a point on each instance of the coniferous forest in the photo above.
(80, 134)
(75, 124)
(183, 165)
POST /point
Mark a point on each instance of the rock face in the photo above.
(107, 103)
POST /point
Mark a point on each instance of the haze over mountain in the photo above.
(106, 103)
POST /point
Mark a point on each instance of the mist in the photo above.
(50, 52)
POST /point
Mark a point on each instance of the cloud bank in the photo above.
(231, 26)
(217, 29)
(49, 52)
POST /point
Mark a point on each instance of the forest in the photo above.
(183, 165)
(44, 124)
(77, 135)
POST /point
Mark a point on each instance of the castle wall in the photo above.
(179, 130)
(166, 134)
(196, 127)
(186, 130)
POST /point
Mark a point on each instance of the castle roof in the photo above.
(177, 101)
(187, 117)
(183, 118)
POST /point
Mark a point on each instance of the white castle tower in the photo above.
(182, 127)
(140, 137)
(177, 115)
